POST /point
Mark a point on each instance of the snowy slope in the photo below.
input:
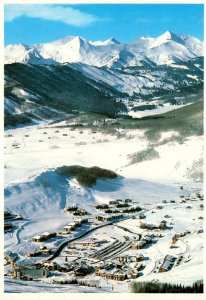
(25, 54)
(142, 77)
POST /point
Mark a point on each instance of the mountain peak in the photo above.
(99, 53)
(67, 39)
(168, 35)
(111, 41)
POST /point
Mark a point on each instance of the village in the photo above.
(90, 251)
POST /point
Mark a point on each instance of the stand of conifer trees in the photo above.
(151, 287)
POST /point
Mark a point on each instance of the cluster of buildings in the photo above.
(107, 262)
(120, 201)
(28, 272)
(118, 271)
(116, 209)
(73, 225)
(76, 268)
(145, 240)
(197, 196)
(41, 250)
(162, 225)
(130, 258)
(75, 210)
(48, 268)
(118, 206)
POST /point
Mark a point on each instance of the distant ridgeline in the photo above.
(100, 77)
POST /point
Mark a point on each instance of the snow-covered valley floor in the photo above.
(39, 195)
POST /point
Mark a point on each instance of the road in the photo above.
(63, 245)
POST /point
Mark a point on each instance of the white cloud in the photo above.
(67, 15)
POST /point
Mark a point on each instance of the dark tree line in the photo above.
(150, 287)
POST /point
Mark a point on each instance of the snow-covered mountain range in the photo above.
(105, 77)
(168, 48)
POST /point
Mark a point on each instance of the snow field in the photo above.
(35, 191)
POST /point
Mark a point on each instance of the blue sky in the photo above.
(30, 24)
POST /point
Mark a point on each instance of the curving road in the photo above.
(61, 247)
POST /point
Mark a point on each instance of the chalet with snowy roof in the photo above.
(138, 245)
(77, 223)
(80, 212)
(148, 226)
(38, 238)
(170, 258)
(167, 263)
(166, 266)
(99, 218)
(42, 247)
(102, 206)
(128, 201)
(43, 237)
(142, 216)
(11, 257)
(119, 275)
(114, 202)
(83, 269)
(68, 228)
(163, 225)
(147, 239)
(33, 254)
(104, 218)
